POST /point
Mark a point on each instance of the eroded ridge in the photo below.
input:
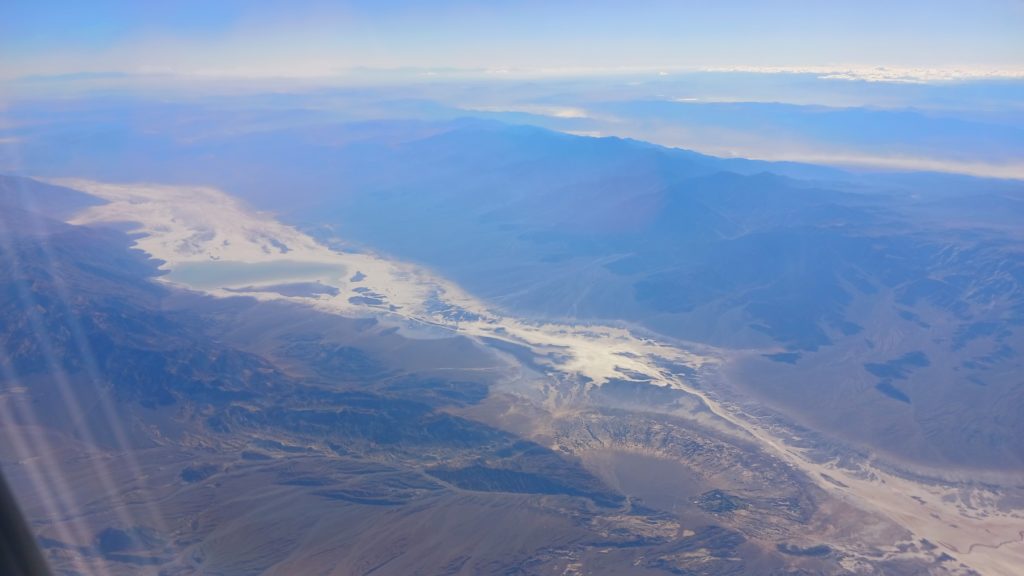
(200, 232)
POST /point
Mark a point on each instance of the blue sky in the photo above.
(316, 38)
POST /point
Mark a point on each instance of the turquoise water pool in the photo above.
(218, 274)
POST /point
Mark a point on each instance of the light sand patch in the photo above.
(182, 225)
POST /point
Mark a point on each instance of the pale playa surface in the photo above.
(194, 224)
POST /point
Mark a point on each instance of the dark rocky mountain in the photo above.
(170, 425)
(837, 274)
(835, 270)
(875, 313)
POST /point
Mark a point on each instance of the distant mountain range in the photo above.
(828, 274)
(873, 318)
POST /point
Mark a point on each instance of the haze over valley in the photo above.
(486, 306)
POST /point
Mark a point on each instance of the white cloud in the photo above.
(552, 111)
(882, 73)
